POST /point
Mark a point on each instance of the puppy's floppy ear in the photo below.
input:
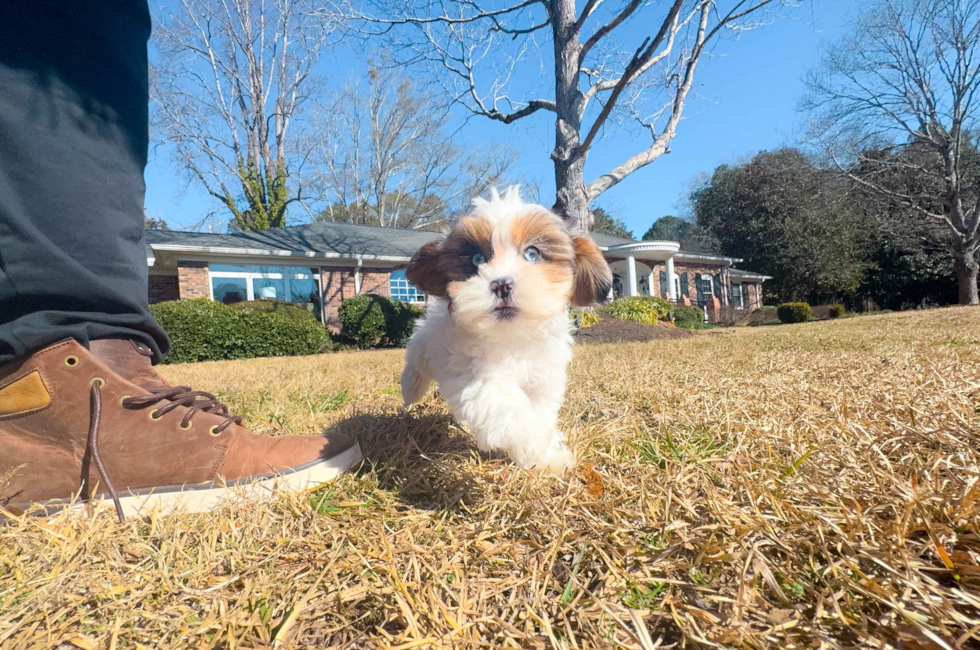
(424, 272)
(593, 279)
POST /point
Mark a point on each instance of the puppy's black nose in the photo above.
(502, 287)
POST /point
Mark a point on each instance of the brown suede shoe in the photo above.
(73, 422)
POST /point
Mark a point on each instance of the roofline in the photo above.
(679, 255)
(301, 225)
(261, 252)
(701, 256)
(749, 274)
(660, 246)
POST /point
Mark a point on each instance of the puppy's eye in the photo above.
(532, 254)
(478, 259)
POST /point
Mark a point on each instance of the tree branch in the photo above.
(603, 31)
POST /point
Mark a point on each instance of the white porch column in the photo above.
(670, 279)
(631, 276)
(651, 287)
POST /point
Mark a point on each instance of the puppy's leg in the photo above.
(416, 376)
(547, 400)
(502, 416)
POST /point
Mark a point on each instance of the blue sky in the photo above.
(747, 94)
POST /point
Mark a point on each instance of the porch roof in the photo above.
(748, 275)
(654, 251)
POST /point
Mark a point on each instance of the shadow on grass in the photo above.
(417, 455)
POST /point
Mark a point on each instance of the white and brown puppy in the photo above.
(496, 337)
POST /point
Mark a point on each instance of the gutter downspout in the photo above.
(357, 277)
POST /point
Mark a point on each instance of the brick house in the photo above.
(321, 264)
(660, 268)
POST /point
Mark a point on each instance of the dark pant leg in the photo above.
(73, 145)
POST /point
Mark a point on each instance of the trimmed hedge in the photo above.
(687, 315)
(641, 309)
(794, 312)
(370, 321)
(836, 311)
(205, 330)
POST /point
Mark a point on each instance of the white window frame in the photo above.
(740, 302)
(392, 287)
(677, 286)
(708, 288)
(248, 276)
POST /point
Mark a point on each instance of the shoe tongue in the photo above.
(129, 359)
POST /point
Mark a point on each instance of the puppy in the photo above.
(496, 337)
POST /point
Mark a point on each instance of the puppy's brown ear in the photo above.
(593, 279)
(424, 272)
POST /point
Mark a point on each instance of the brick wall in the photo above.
(163, 287)
(375, 281)
(193, 279)
(338, 285)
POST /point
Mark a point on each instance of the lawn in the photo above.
(812, 485)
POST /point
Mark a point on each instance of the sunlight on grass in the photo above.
(760, 487)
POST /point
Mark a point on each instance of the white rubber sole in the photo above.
(202, 498)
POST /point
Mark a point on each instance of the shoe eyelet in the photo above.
(213, 433)
(123, 399)
(189, 426)
(71, 361)
(97, 380)
(154, 417)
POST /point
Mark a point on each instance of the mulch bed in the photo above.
(612, 330)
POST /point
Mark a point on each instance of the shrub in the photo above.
(794, 312)
(370, 320)
(205, 330)
(697, 325)
(401, 322)
(662, 305)
(729, 316)
(684, 316)
(638, 309)
(836, 311)
(587, 319)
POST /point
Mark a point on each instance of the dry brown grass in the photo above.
(812, 485)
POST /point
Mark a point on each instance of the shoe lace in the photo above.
(177, 396)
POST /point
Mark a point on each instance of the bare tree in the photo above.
(895, 107)
(232, 79)
(383, 157)
(475, 48)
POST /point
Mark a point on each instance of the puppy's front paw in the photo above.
(559, 460)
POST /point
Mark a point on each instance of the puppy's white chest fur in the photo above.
(505, 387)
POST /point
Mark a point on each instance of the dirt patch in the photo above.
(612, 330)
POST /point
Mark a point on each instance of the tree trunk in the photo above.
(572, 200)
(965, 263)
(571, 197)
